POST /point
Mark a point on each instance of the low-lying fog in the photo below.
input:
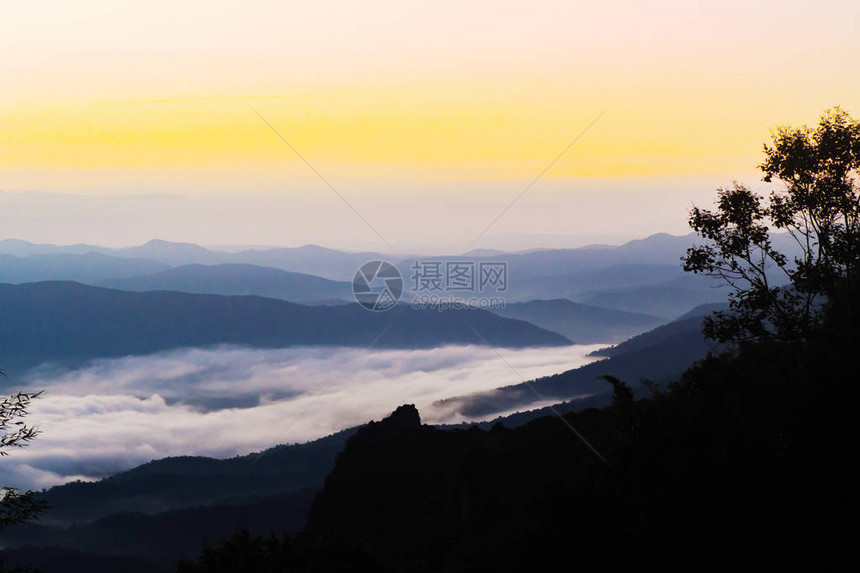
(116, 414)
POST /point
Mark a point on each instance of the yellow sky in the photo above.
(113, 97)
(394, 89)
(405, 128)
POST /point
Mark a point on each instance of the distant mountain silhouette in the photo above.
(642, 276)
(483, 253)
(86, 268)
(677, 334)
(172, 253)
(660, 249)
(574, 282)
(140, 274)
(309, 259)
(169, 536)
(56, 560)
(584, 324)
(70, 323)
(188, 481)
(660, 355)
(667, 300)
(238, 279)
(704, 310)
(21, 248)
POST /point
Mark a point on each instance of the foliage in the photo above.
(16, 507)
(13, 432)
(817, 207)
(242, 553)
(17, 569)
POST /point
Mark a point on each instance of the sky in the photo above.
(399, 125)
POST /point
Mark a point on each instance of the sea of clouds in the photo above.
(115, 414)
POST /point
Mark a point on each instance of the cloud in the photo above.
(115, 414)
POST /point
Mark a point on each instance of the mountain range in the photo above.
(70, 323)
(659, 355)
(237, 279)
(310, 259)
(641, 276)
(582, 323)
(88, 267)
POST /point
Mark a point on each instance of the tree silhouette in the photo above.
(15, 506)
(242, 552)
(817, 207)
